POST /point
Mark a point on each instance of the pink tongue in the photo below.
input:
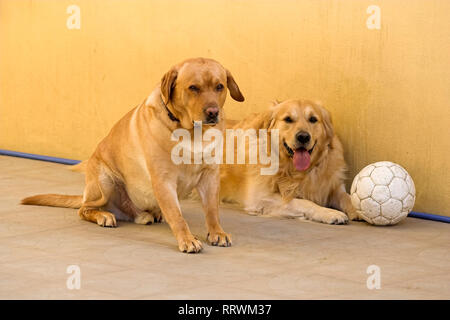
(301, 159)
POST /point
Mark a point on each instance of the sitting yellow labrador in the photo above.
(131, 176)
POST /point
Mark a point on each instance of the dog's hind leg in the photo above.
(122, 203)
(98, 190)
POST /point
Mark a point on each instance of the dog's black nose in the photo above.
(303, 137)
(212, 112)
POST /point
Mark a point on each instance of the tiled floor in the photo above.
(270, 258)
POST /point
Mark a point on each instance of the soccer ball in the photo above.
(383, 193)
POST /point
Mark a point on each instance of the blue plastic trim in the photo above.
(37, 157)
(429, 216)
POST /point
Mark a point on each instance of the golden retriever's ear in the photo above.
(270, 114)
(168, 83)
(271, 124)
(274, 103)
(268, 118)
(327, 123)
(262, 120)
(233, 87)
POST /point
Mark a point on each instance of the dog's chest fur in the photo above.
(142, 194)
(189, 178)
(315, 185)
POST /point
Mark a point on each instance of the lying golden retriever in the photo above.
(131, 175)
(310, 178)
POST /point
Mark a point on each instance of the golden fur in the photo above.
(131, 176)
(291, 193)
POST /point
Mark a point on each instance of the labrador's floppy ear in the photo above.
(168, 83)
(233, 87)
(327, 123)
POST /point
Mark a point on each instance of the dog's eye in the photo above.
(288, 120)
(313, 119)
(219, 87)
(194, 88)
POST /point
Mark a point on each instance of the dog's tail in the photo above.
(54, 200)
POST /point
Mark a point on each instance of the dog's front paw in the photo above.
(331, 216)
(157, 216)
(354, 216)
(144, 218)
(189, 244)
(220, 239)
(148, 218)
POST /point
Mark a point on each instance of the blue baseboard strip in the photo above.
(37, 157)
(429, 216)
(412, 214)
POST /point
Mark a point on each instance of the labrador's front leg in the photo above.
(208, 189)
(165, 192)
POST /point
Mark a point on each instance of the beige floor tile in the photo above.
(439, 284)
(299, 285)
(270, 258)
(54, 268)
(213, 292)
(388, 293)
(58, 291)
(135, 283)
(11, 283)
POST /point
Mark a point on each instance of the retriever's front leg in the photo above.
(340, 200)
(165, 191)
(301, 208)
(208, 189)
(313, 211)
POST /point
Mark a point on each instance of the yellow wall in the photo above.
(388, 90)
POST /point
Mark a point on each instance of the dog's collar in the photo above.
(169, 113)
